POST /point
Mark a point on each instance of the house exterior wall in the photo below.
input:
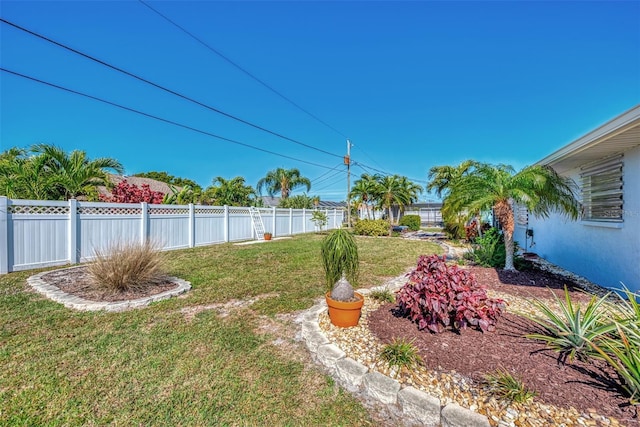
(604, 253)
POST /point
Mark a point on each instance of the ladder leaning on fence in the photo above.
(256, 219)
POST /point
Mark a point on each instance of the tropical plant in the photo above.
(182, 196)
(572, 331)
(401, 353)
(124, 266)
(299, 201)
(621, 349)
(490, 251)
(283, 181)
(339, 253)
(26, 177)
(125, 192)
(438, 296)
(74, 173)
(230, 192)
(390, 193)
(46, 172)
(539, 188)
(441, 179)
(364, 192)
(502, 384)
(319, 218)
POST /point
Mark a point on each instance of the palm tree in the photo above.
(230, 192)
(283, 181)
(73, 172)
(410, 191)
(389, 193)
(539, 188)
(25, 177)
(441, 179)
(364, 190)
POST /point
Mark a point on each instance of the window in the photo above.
(601, 185)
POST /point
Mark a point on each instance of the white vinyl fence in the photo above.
(36, 233)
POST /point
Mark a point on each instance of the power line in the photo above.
(329, 177)
(135, 76)
(325, 173)
(133, 110)
(262, 82)
(367, 168)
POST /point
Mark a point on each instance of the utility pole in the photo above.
(347, 161)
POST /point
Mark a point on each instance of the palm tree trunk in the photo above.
(504, 213)
(508, 246)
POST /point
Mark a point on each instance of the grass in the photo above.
(504, 385)
(401, 353)
(156, 367)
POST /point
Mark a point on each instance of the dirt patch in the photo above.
(588, 387)
(75, 281)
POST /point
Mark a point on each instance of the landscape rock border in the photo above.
(414, 406)
(71, 301)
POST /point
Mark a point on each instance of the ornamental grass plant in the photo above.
(124, 266)
(504, 385)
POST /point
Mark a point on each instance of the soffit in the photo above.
(617, 136)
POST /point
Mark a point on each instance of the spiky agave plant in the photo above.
(340, 258)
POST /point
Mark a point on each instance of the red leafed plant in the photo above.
(440, 296)
(130, 193)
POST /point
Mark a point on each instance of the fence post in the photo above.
(290, 221)
(144, 225)
(4, 235)
(273, 221)
(72, 235)
(304, 220)
(192, 225)
(226, 223)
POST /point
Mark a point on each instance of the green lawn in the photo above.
(156, 366)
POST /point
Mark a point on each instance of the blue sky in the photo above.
(412, 84)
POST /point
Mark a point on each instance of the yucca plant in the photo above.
(340, 261)
(503, 384)
(401, 353)
(124, 266)
(623, 354)
(621, 349)
(571, 332)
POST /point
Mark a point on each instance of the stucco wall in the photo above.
(604, 255)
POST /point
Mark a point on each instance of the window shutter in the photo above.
(601, 185)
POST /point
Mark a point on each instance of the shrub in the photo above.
(411, 221)
(439, 296)
(401, 353)
(125, 266)
(130, 193)
(319, 218)
(506, 386)
(372, 227)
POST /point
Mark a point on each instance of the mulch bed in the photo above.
(75, 281)
(585, 386)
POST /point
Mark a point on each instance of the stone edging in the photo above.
(415, 406)
(70, 301)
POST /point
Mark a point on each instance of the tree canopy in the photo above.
(283, 181)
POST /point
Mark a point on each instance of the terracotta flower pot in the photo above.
(344, 314)
(267, 236)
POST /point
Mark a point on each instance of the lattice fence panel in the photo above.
(87, 210)
(209, 211)
(38, 210)
(168, 211)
